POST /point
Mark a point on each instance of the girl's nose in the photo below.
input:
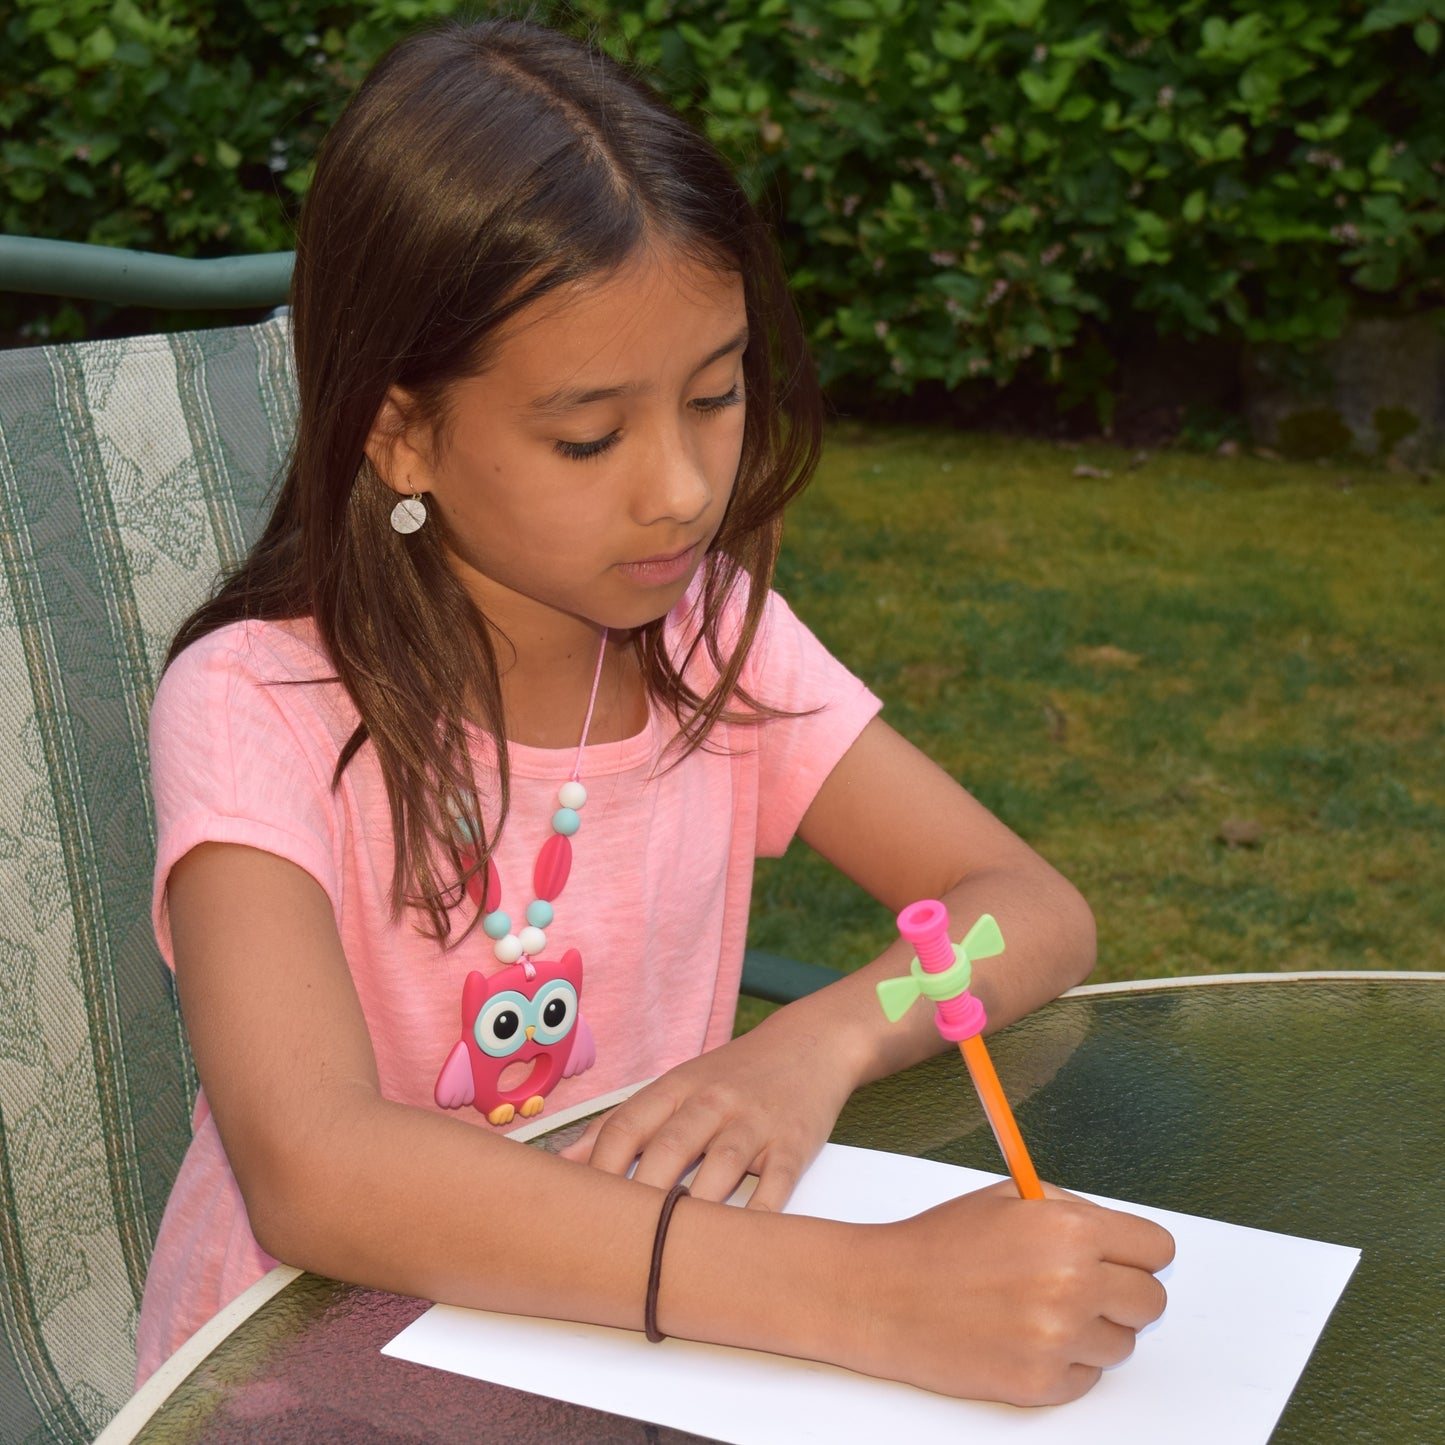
(672, 485)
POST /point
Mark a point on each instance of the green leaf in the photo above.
(1201, 144)
(44, 17)
(1046, 87)
(1076, 108)
(1327, 129)
(1195, 204)
(949, 101)
(27, 189)
(62, 46)
(1391, 14)
(1229, 144)
(1427, 36)
(227, 154)
(97, 48)
(953, 45)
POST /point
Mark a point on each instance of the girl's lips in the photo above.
(659, 571)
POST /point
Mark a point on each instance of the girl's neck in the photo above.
(545, 691)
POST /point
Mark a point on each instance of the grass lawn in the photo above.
(1211, 690)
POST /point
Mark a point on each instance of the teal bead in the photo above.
(496, 925)
(566, 821)
(539, 913)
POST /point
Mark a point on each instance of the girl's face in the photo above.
(584, 473)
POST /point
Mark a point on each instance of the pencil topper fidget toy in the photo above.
(942, 973)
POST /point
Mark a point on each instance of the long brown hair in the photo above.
(478, 168)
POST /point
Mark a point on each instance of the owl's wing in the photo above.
(584, 1049)
(454, 1084)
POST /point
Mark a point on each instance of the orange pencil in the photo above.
(942, 973)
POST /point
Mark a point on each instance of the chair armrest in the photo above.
(777, 979)
(139, 278)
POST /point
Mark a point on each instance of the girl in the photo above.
(512, 614)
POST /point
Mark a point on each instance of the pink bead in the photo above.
(474, 887)
(489, 898)
(554, 863)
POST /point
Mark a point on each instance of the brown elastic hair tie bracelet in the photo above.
(654, 1274)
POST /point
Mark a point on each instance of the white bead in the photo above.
(508, 949)
(533, 941)
(572, 794)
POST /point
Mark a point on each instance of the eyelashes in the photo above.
(585, 451)
(582, 451)
(708, 404)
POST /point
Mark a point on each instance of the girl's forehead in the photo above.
(656, 282)
(654, 305)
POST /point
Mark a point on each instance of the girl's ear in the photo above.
(392, 449)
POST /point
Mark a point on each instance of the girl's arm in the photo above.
(338, 1180)
(899, 826)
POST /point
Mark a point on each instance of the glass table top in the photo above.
(1310, 1106)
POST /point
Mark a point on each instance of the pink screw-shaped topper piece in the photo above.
(925, 926)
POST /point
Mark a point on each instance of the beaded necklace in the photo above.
(554, 861)
(530, 1012)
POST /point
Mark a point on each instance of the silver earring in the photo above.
(408, 515)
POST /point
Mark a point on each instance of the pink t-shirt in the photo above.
(657, 900)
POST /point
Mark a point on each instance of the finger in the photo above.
(728, 1160)
(675, 1147)
(1052, 1191)
(1141, 1243)
(775, 1187)
(626, 1131)
(1103, 1344)
(782, 1168)
(1051, 1385)
(1075, 1380)
(579, 1151)
(1132, 1298)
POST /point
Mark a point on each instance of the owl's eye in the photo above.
(555, 1010)
(499, 1028)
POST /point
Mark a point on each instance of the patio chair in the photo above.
(131, 473)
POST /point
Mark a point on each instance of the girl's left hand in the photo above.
(762, 1104)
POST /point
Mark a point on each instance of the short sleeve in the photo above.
(789, 669)
(239, 755)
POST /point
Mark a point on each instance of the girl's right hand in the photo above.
(990, 1296)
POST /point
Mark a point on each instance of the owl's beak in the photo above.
(531, 1031)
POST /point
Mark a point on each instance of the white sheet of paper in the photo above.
(1245, 1309)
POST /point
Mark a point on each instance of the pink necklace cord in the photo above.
(591, 703)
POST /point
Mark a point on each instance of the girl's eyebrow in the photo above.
(568, 398)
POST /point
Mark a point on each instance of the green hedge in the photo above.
(964, 188)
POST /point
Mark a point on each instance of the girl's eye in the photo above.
(581, 451)
(718, 403)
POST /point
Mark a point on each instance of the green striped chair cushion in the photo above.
(131, 473)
